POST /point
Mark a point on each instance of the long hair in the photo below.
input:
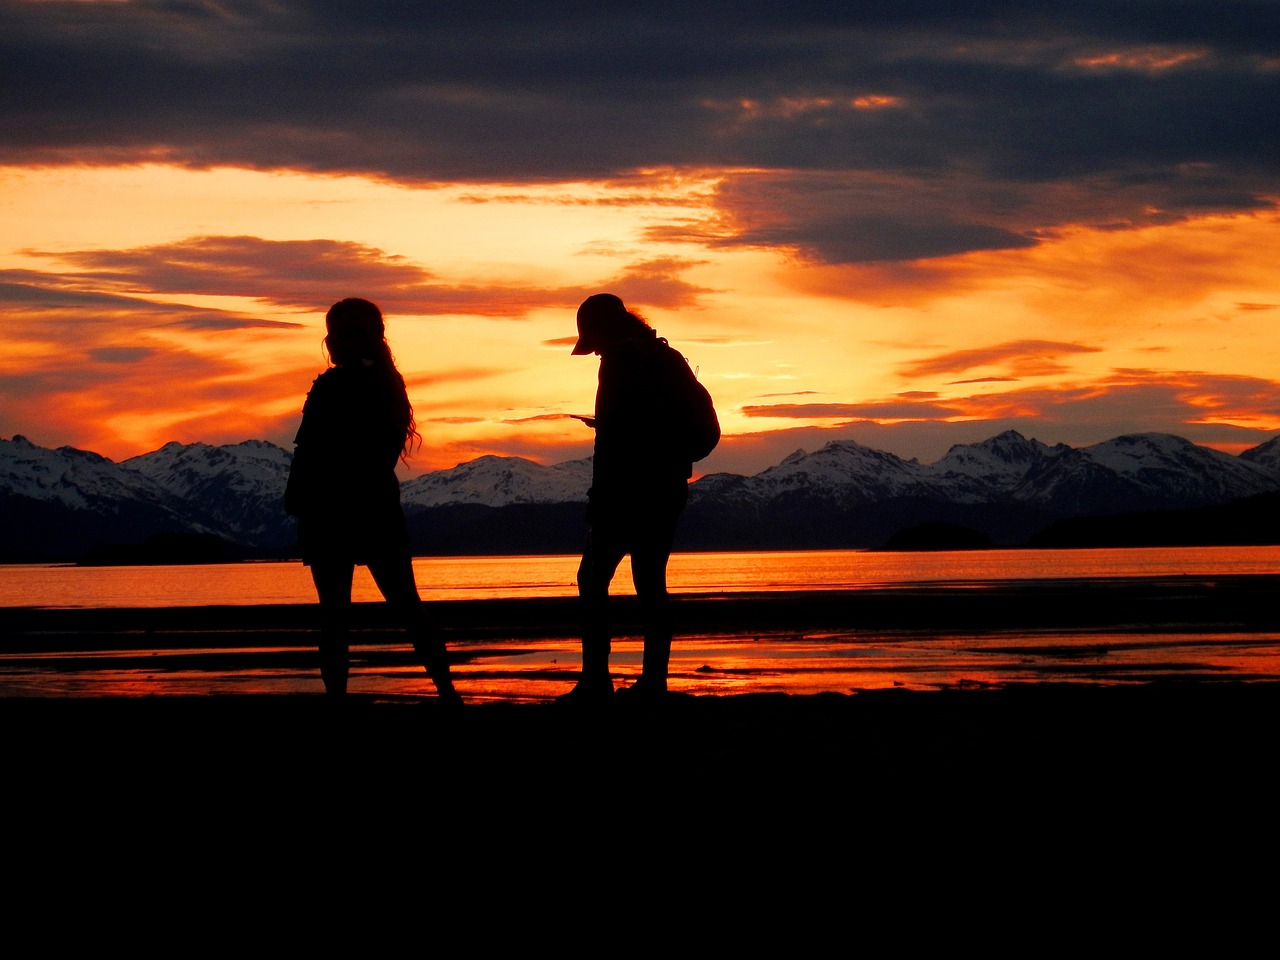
(633, 324)
(356, 335)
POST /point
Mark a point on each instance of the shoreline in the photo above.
(1094, 699)
(938, 636)
(1230, 602)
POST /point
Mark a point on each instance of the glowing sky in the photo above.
(906, 224)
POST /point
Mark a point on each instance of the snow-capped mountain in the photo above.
(849, 473)
(1142, 471)
(1266, 456)
(1138, 471)
(237, 488)
(59, 504)
(499, 482)
(77, 479)
(1006, 486)
(995, 464)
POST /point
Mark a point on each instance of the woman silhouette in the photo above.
(356, 423)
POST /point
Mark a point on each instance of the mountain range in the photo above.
(196, 502)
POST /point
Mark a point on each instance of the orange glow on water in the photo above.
(719, 657)
(485, 578)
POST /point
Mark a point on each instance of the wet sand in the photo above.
(1028, 791)
(1018, 691)
(1058, 772)
(745, 818)
(934, 637)
(1056, 753)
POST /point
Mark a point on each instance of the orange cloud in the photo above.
(1025, 356)
(1150, 59)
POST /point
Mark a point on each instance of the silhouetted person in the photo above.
(356, 423)
(639, 487)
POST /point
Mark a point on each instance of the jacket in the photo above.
(635, 450)
(342, 483)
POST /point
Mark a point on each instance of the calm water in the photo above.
(465, 578)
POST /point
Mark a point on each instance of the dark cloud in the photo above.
(859, 239)
(216, 322)
(305, 275)
(961, 115)
(36, 291)
(120, 354)
(73, 308)
(289, 273)
(655, 283)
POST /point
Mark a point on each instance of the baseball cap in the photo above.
(594, 313)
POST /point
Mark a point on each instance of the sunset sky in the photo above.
(908, 224)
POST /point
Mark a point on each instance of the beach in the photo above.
(1019, 751)
(801, 806)
(1150, 685)
(923, 637)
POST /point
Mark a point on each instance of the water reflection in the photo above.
(482, 578)
(539, 670)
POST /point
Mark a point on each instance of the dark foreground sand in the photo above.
(1056, 798)
(744, 817)
(1072, 732)
(1061, 812)
(1069, 766)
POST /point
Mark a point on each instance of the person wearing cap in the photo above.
(639, 487)
(342, 488)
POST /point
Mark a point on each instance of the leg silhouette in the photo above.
(650, 553)
(333, 588)
(600, 559)
(396, 582)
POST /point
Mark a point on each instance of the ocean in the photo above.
(487, 578)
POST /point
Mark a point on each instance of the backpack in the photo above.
(692, 411)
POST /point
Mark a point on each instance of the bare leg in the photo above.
(333, 588)
(396, 582)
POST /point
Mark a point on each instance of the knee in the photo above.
(593, 591)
